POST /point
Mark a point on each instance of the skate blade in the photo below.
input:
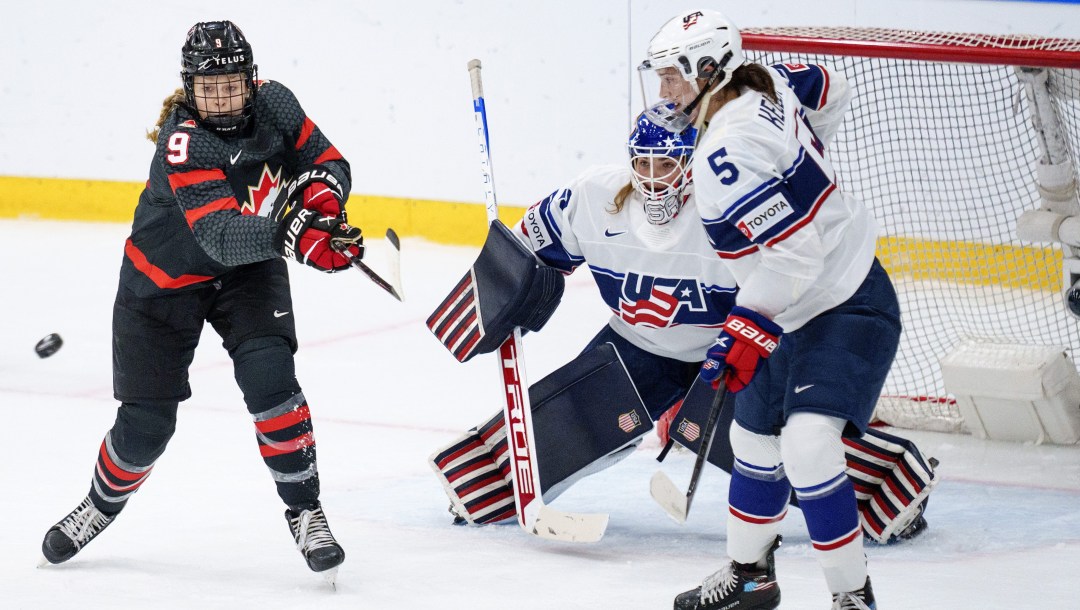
(43, 562)
(330, 576)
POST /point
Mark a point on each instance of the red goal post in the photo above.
(949, 143)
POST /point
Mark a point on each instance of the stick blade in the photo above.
(553, 524)
(669, 497)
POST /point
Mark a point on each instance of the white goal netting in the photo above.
(945, 154)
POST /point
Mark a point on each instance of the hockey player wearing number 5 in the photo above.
(240, 177)
(816, 323)
(635, 228)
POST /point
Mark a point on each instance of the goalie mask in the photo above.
(660, 168)
(694, 45)
(219, 74)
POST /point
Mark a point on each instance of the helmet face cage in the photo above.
(213, 52)
(664, 191)
(700, 44)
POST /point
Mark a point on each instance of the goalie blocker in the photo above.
(506, 287)
(587, 416)
(892, 478)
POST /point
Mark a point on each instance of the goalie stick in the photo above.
(674, 502)
(534, 516)
(393, 282)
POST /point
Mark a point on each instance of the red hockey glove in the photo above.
(318, 241)
(315, 188)
(746, 340)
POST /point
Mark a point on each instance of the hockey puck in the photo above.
(49, 345)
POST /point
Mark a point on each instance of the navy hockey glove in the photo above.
(319, 241)
(315, 188)
(746, 340)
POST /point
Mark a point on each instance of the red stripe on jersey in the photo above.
(839, 543)
(739, 254)
(197, 176)
(824, 88)
(156, 275)
(117, 471)
(305, 133)
(330, 154)
(225, 203)
(275, 448)
(284, 421)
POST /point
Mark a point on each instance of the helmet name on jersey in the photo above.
(765, 216)
(655, 302)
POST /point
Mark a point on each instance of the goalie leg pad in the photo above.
(892, 482)
(506, 287)
(587, 416)
(479, 487)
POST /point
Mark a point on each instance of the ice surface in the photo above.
(207, 531)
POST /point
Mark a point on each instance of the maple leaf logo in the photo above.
(265, 192)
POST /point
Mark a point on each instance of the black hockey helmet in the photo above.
(212, 48)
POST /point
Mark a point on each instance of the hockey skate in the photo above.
(860, 599)
(315, 542)
(74, 531)
(738, 586)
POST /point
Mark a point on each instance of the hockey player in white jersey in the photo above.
(636, 230)
(816, 323)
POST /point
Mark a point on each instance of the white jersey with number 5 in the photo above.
(768, 197)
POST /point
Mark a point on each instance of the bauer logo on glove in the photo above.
(747, 339)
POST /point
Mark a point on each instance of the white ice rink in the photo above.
(206, 530)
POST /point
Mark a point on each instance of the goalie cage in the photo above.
(941, 142)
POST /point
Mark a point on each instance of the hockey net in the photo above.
(940, 144)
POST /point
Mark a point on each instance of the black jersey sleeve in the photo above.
(310, 144)
(195, 162)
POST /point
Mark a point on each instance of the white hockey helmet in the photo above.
(699, 44)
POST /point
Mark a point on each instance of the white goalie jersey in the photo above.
(769, 200)
(667, 293)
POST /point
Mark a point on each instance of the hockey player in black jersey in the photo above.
(240, 177)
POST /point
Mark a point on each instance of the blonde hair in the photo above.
(172, 101)
(621, 197)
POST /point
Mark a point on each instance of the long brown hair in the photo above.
(753, 76)
(172, 101)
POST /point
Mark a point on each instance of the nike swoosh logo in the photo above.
(800, 388)
(232, 161)
(608, 233)
(278, 314)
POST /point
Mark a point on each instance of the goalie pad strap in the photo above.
(507, 287)
(587, 416)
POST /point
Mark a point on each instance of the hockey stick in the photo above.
(391, 285)
(669, 497)
(533, 515)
